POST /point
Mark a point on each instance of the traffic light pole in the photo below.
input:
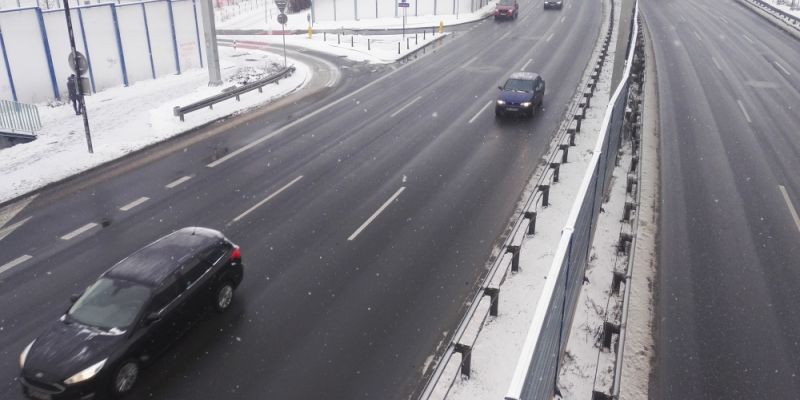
(78, 83)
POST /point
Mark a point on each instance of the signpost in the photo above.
(78, 64)
(282, 19)
(404, 6)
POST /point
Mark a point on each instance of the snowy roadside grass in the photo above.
(125, 119)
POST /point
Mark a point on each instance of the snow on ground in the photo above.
(497, 349)
(266, 19)
(786, 6)
(126, 119)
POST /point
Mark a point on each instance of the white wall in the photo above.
(26, 57)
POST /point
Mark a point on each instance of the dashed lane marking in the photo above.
(744, 111)
(134, 203)
(80, 230)
(789, 204)
(479, 112)
(405, 106)
(376, 214)
(13, 263)
(262, 202)
(178, 182)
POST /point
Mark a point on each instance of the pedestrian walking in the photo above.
(72, 89)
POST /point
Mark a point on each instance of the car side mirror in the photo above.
(74, 297)
(500, 87)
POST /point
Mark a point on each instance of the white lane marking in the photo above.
(11, 228)
(789, 204)
(780, 67)
(725, 20)
(134, 203)
(549, 37)
(471, 60)
(375, 215)
(744, 111)
(563, 19)
(526, 64)
(13, 263)
(748, 38)
(697, 35)
(405, 106)
(9, 212)
(261, 203)
(479, 112)
(178, 182)
(303, 119)
(716, 63)
(505, 35)
(79, 231)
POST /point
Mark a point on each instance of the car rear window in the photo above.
(110, 303)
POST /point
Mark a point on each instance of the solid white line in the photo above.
(563, 19)
(780, 67)
(261, 203)
(11, 264)
(471, 60)
(549, 37)
(405, 106)
(505, 35)
(80, 230)
(723, 19)
(479, 112)
(791, 206)
(744, 111)
(134, 203)
(380, 210)
(716, 63)
(298, 121)
(748, 38)
(11, 228)
(526, 64)
(178, 182)
(697, 35)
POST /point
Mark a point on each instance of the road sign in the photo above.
(403, 5)
(82, 64)
(282, 18)
(281, 4)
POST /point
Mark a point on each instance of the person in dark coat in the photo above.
(72, 89)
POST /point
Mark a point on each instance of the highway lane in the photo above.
(727, 291)
(358, 317)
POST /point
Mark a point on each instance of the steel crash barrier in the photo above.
(237, 92)
(19, 119)
(536, 374)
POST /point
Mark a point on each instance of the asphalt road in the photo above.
(365, 212)
(729, 264)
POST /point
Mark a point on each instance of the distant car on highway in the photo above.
(551, 4)
(508, 9)
(132, 313)
(522, 93)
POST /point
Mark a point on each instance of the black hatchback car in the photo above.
(131, 314)
(522, 93)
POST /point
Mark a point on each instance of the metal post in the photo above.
(81, 101)
(283, 34)
(175, 36)
(8, 66)
(209, 33)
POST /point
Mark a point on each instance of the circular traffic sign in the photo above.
(79, 67)
(282, 18)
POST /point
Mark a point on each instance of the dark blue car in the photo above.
(522, 93)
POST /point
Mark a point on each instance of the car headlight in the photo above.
(526, 104)
(87, 373)
(501, 102)
(24, 355)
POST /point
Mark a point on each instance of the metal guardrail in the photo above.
(536, 374)
(777, 12)
(19, 118)
(210, 101)
(525, 224)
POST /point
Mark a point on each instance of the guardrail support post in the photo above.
(626, 214)
(545, 189)
(616, 281)
(494, 294)
(531, 216)
(634, 163)
(466, 358)
(578, 119)
(556, 167)
(609, 330)
(564, 152)
(571, 133)
(632, 180)
(514, 250)
(588, 97)
(624, 243)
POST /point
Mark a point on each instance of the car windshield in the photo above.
(506, 2)
(110, 303)
(519, 85)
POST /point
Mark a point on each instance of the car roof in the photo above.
(528, 76)
(154, 263)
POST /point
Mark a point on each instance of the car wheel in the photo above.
(223, 297)
(125, 378)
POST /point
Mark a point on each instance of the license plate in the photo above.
(512, 109)
(38, 395)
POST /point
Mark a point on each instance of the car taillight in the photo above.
(236, 256)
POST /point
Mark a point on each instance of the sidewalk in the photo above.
(126, 119)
